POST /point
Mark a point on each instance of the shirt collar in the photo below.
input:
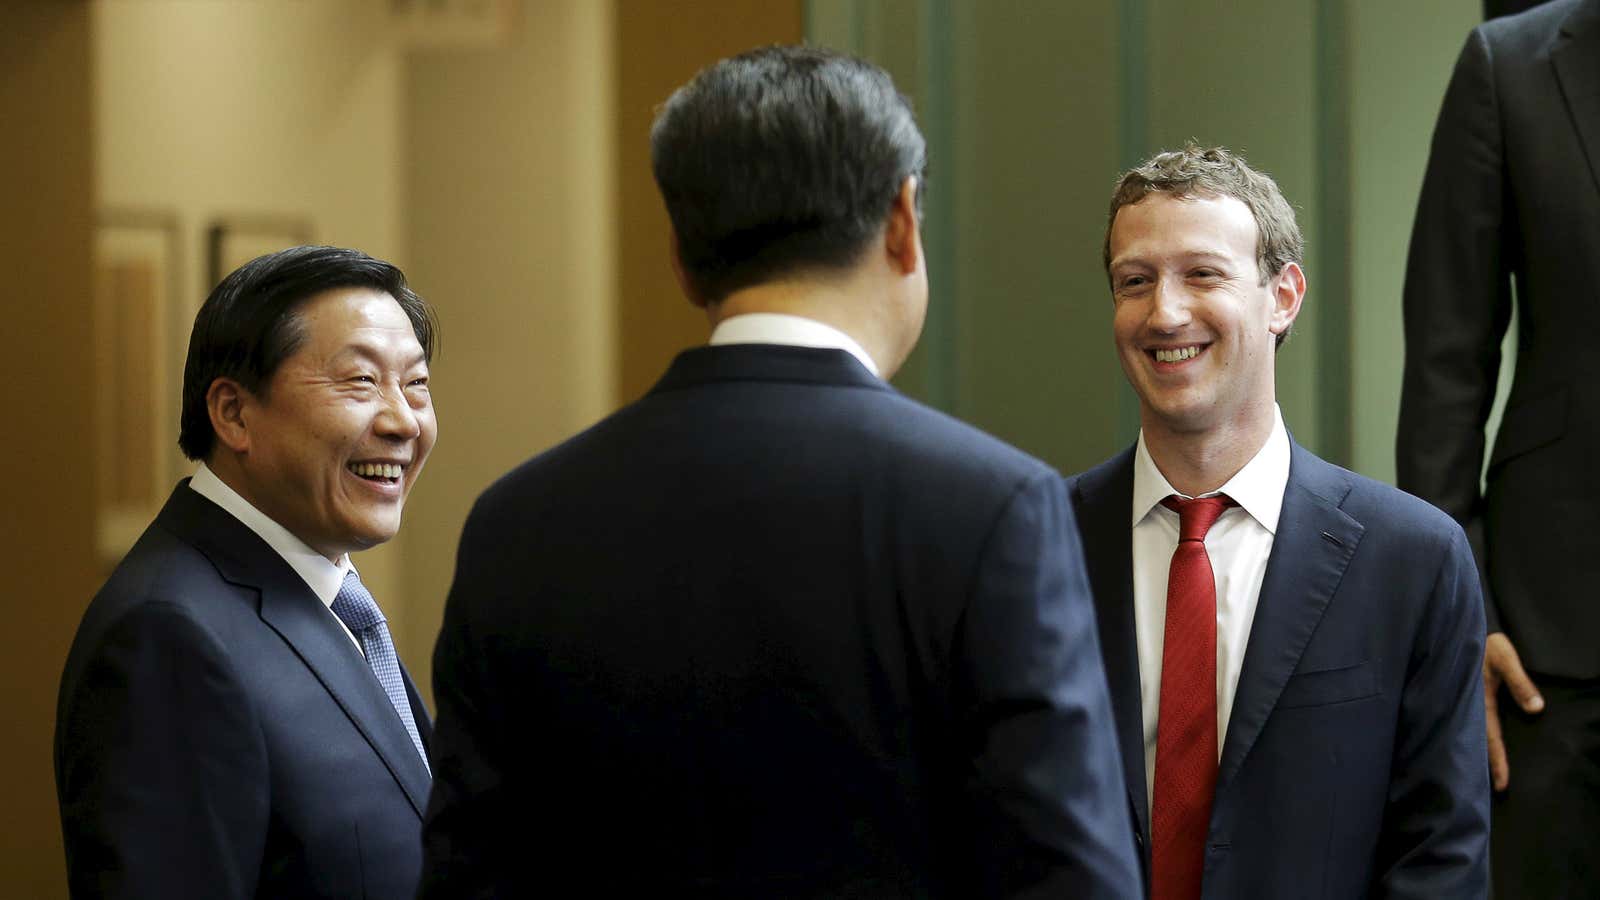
(797, 331)
(1257, 488)
(323, 577)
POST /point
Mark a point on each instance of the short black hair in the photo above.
(781, 160)
(249, 325)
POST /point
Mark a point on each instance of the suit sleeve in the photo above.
(1457, 301)
(161, 767)
(1435, 840)
(1049, 807)
(471, 837)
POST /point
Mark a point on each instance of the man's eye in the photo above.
(418, 383)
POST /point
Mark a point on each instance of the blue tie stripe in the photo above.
(359, 612)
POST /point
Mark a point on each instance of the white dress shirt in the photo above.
(323, 577)
(1239, 545)
(794, 331)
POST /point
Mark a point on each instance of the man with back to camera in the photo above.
(1292, 649)
(233, 720)
(776, 630)
(1512, 195)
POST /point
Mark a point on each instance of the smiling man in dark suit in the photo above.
(233, 720)
(1292, 649)
(1512, 197)
(776, 630)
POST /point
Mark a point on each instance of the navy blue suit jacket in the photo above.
(775, 631)
(219, 736)
(1355, 762)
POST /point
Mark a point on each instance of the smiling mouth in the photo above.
(379, 473)
(1176, 354)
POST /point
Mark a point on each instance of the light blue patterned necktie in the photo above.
(359, 612)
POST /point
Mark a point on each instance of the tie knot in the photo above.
(1196, 516)
(354, 605)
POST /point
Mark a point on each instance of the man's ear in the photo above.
(902, 236)
(1288, 290)
(226, 402)
(678, 272)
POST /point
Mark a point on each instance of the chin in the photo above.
(1181, 418)
(371, 534)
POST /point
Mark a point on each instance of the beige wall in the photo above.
(256, 107)
(46, 537)
(659, 46)
(509, 190)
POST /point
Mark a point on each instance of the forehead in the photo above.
(1164, 224)
(355, 317)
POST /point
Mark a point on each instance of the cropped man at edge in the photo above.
(1512, 197)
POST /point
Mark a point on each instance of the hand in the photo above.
(1501, 665)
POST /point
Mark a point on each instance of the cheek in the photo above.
(1124, 323)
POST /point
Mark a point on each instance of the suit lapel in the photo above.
(1310, 552)
(290, 608)
(307, 626)
(1104, 498)
(1574, 59)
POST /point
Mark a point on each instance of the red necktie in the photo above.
(1186, 731)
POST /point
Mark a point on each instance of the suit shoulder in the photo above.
(873, 423)
(935, 434)
(1393, 512)
(162, 578)
(1515, 36)
(1100, 473)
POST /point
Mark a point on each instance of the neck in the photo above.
(1199, 462)
(839, 304)
(225, 465)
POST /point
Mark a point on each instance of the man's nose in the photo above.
(397, 418)
(1169, 307)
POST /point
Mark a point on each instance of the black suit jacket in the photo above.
(775, 631)
(1354, 764)
(218, 735)
(1513, 194)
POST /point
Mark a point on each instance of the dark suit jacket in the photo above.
(218, 735)
(1513, 193)
(1354, 762)
(775, 631)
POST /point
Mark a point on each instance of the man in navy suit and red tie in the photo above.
(1292, 649)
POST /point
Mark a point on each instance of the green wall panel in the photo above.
(1032, 108)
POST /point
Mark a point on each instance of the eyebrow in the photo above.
(1189, 256)
(373, 354)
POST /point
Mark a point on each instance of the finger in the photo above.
(1522, 688)
(1499, 766)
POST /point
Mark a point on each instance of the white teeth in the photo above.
(1171, 356)
(376, 470)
